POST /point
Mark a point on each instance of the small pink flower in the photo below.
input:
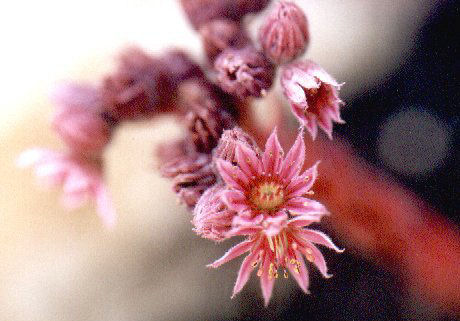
(78, 119)
(211, 218)
(81, 179)
(268, 193)
(313, 95)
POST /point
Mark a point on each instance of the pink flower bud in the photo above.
(244, 72)
(225, 150)
(313, 95)
(284, 34)
(179, 67)
(192, 175)
(78, 119)
(218, 35)
(138, 88)
(211, 218)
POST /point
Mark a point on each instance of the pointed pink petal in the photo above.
(35, 156)
(247, 160)
(293, 162)
(301, 205)
(233, 253)
(311, 125)
(232, 175)
(319, 238)
(300, 185)
(266, 282)
(244, 273)
(304, 220)
(325, 122)
(318, 258)
(104, 206)
(235, 200)
(272, 156)
(301, 278)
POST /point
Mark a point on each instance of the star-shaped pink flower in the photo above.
(268, 193)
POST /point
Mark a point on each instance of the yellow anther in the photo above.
(285, 274)
(276, 275)
(296, 270)
(292, 261)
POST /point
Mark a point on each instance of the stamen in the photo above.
(286, 275)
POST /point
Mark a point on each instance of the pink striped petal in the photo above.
(301, 205)
(319, 238)
(292, 164)
(304, 220)
(244, 273)
(235, 200)
(318, 259)
(247, 160)
(300, 185)
(232, 175)
(266, 282)
(301, 278)
(272, 157)
(232, 253)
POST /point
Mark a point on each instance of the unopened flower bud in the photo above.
(284, 34)
(179, 67)
(225, 149)
(244, 72)
(205, 119)
(251, 6)
(138, 88)
(218, 35)
(192, 175)
(211, 217)
(313, 95)
(78, 118)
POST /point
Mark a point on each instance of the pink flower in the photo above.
(313, 95)
(268, 195)
(78, 118)
(81, 179)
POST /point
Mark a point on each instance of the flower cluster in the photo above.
(217, 169)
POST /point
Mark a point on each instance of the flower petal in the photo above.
(266, 282)
(274, 224)
(244, 273)
(301, 278)
(300, 185)
(272, 157)
(232, 175)
(319, 238)
(232, 253)
(315, 256)
(301, 205)
(247, 160)
(304, 220)
(235, 200)
(293, 162)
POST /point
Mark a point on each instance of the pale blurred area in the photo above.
(64, 266)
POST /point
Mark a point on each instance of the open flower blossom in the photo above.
(313, 95)
(268, 194)
(81, 179)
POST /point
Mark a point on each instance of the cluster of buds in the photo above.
(218, 171)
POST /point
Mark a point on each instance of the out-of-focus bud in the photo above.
(211, 217)
(284, 34)
(251, 6)
(138, 88)
(218, 35)
(228, 141)
(313, 95)
(179, 67)
(78, 118)
(192, 175)
(205, 119)
(166, 152)
(244, 72)
(200, 12)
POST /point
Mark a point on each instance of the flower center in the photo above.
(267, 196)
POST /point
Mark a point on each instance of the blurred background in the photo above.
(399, 60)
